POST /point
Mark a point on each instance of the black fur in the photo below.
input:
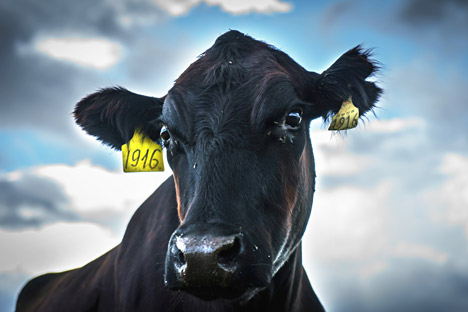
(344, 79)
(113, 114)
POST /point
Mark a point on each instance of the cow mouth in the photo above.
(228, 293)
(213, 293)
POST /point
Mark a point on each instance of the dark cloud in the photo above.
(32, 201)
(437, 27)
(406, 285)
(435, 95)
(420, 286)
(440, 24)
(421, 12)
(40, 92)
(36, 91)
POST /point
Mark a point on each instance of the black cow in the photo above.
(224, 232)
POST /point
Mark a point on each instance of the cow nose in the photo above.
(206, 261)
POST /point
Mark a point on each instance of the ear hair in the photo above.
(113, 114)
(344, 79)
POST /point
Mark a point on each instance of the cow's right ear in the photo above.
(113, 114)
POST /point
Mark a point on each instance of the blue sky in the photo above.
(389, 228)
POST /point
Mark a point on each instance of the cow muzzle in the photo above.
(204, 264)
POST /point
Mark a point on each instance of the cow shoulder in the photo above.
(75, 290)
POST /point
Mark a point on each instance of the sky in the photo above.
(389, 225)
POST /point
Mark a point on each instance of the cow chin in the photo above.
(209, 294)
(213, 293)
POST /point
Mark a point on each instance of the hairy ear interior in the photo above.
(344, 79)
(113, 114)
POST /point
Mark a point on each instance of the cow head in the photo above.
(236, 129)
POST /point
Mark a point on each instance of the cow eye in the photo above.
(294, 117)
(164, 134)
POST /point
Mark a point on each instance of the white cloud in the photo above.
(348, 224)
(346, 238)
(246, 6)
(82, 192)
(372, 269)
(451, 198)
(332, 155)
(335, 160)
(91, 188)
(408, 250)
(394, 125)
(178, 7)
(236, 7)
(53, 248)
(370, 226)
(96, 195)
(90, 52)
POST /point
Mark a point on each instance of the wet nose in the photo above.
(205, 260)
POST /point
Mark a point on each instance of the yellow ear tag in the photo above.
(142, 154)
(346, 118)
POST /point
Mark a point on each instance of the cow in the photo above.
(224, 232)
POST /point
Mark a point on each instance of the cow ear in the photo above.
(113, 114)
(345, 79)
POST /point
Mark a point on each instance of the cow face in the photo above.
(236, 129)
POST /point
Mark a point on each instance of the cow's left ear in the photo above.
(345, 79)
(113, 114)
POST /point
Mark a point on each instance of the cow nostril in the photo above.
(228, 256)
(181, 257)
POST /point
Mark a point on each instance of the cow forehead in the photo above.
(230, 65)
(235, 85)
(217, 111)
(263, 95)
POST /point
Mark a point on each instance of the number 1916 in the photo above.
(137, 158)
(345, 122)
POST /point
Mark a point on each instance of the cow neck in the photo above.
(285, 287)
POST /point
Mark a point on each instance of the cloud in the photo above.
(177, 8)
(27, 200)
(439, 23)
(355, 219)
(246, 6)
(435, 28)
(236, 7)
(435, 12)
(433, 95)
(37, 91)
(34, 203)
(40, 91)
(333, 156)
(405, 249)
(92, 52)
(402, 286)
(102, 196)
(358, 254)
(45, 194)
(453, 194)
(376, 152)
(55, 247)
(395, 125)
(391, 228)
